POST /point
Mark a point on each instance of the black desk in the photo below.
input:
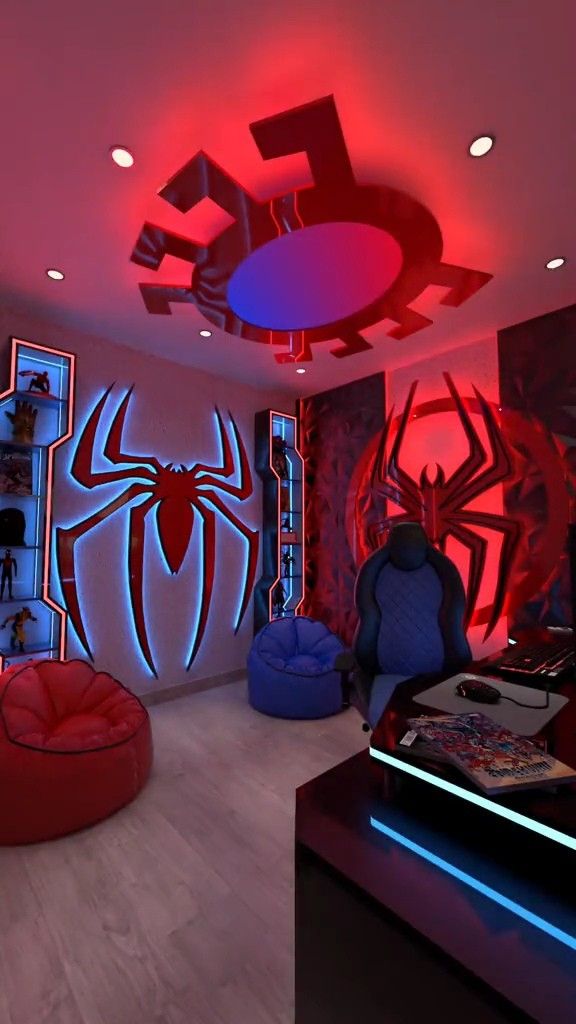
(382, 929)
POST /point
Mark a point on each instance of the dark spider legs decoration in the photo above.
(440, 503)
(180, 494)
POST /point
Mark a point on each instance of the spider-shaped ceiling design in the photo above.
(314, 264)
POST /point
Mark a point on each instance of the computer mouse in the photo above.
(482, 693)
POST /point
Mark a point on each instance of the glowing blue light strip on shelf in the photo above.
(476, 884)
(475, 798)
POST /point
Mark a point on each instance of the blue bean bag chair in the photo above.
(291, 669)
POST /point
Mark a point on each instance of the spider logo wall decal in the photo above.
(181, 497)
(441, 503)
(318, 263)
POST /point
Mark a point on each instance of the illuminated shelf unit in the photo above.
(279, 592)
(26, 482)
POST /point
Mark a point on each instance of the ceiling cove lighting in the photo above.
(481, 145)
(474, 883)
(556, 263)
(55, 275)
(475, 798)
(121, 156)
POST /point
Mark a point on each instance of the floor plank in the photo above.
(178, 909)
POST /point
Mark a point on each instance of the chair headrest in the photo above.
(408, 546)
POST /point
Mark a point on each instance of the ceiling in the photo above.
(414, 81)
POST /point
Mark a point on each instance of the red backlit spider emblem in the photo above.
(317, 263)
(440, 504)
(181, 495)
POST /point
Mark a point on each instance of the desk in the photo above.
(383, 933)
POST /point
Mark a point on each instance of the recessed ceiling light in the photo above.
(554, 264)
(54, 275)
(205, 334)
(300, 370)
(481, 145)
(122, 156)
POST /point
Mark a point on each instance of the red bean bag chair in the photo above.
(75, 746)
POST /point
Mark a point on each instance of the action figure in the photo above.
(278, 598)
(18, 635)
(287, 560)
(23, 421)
(12, 527)
(40, 380)
(279, 460)
(9, 565)
(286, 528)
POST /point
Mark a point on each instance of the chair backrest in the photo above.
(410, 601)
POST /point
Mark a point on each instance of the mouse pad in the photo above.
(524, 721)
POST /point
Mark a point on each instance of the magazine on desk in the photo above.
(493, 758)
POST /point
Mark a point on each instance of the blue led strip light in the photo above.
(475, 798)
(474, 883)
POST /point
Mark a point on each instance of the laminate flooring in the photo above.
(178, 909)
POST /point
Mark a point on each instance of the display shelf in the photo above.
(39, 648)
(22, 547)
(29, 464)
(36, 398)
(20, 445)
(280, 466)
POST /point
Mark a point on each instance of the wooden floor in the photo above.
(179, 908)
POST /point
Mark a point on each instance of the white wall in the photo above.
(172, 417)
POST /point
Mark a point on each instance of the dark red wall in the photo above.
(537, 361)
(335, 429)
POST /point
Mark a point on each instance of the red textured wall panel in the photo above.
(336, 427)
(538, 385)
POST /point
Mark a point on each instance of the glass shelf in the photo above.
(21, 547)
(40, 648)
(14, 494)
(21, 445)
(35, 398)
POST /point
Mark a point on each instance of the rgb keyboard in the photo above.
(549, 659)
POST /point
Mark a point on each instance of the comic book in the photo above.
(495, 759)
(15, 471)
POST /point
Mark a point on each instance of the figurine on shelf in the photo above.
(279, 460)
(9, 566)
(278, 598)
(23, 422)
(19, 620)
(286, 527)
(287, 560)
(40, 381)
(12, 526)
(285, 498)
